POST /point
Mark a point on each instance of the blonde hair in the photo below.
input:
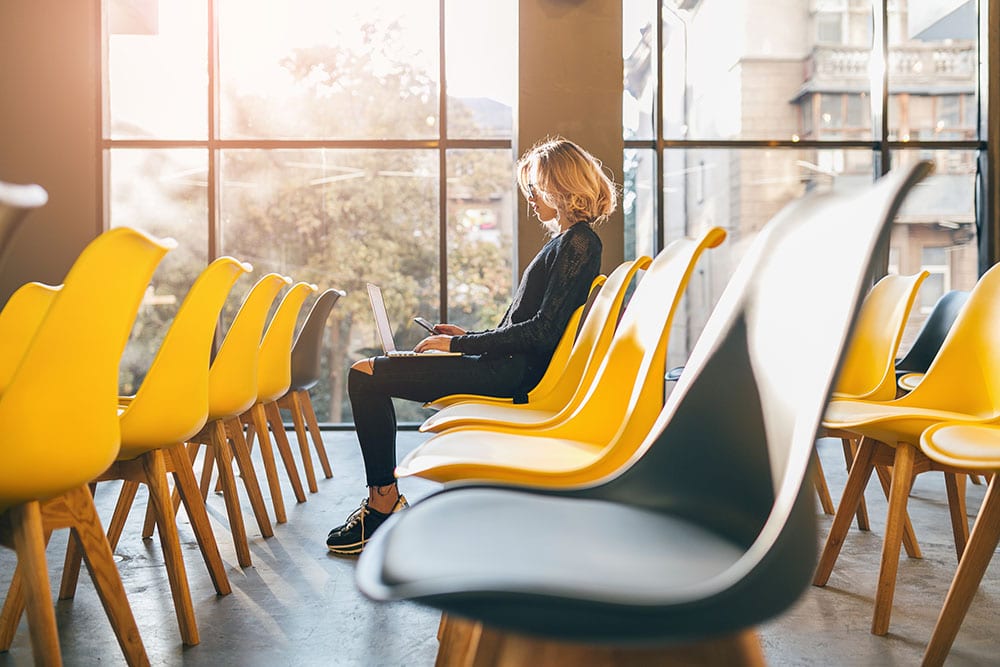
(571, 180)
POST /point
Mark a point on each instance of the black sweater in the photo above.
(555, 283)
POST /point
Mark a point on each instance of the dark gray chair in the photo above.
(928, 340)
(307, 352)
(657, 561)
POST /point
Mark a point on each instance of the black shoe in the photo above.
(351, 537)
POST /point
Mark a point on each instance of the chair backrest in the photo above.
(746, 411)
(567, 343)
(964, 376)
(274, 373)
(171, 404)
(308, 345)
(928, 340)
(626, 392)
(15, 203)
(869, 370)
(59, 413)
(593, 340)
(232, 379)
(19, 320)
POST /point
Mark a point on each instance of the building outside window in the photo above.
(760, 103)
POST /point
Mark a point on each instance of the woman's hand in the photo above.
(449, 329)
(442, 343)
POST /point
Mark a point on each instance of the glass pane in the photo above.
(481, 68)
(158, 69)
(638, 51)
(749, 70)
(339, 218)
(740, 191)
(481, 212)
(932, 69)
(638, 203)
(161, 192)
(331, 70)
(936, 229)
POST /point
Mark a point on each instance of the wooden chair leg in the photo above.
(126, 496)
(259, 419)
(175, 498)
(305, 402)
(159, 494)
(979, 551)
(28, 536)
(857, 480)
(241, 452)
(955, 487)
(187, 486)
(273, 415)
(223, 456)
(975, 479)
(300, 437)
(909, 537)
(850, 451)
(458, 639)
(104, 573)
(74, 557)
(207, 466)
(899, 492)
(13, 607)
(493, 648)
(819, 481)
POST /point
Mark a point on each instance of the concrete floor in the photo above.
(299, 605)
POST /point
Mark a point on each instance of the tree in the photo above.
(344, 217)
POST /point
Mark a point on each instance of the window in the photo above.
(934, 260)
(314, 141)
(777, 100)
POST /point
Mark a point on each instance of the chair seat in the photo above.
(464, 454)
(909, 381)
(563, 550)
(887, 422)
(965, 446)
(468, 413)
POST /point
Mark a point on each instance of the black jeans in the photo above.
(421, 379)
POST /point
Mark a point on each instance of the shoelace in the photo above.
(356, 516)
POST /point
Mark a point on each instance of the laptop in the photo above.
(385, 331)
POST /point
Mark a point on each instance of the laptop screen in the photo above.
(381, 319)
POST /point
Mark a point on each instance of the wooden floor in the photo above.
(298, 604)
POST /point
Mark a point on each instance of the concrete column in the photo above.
(50, 131)
(570, 84)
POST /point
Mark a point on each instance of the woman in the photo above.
(568, 192)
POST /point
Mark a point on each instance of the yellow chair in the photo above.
(910, 368)
(170, 406)
(962, 384)
(869, 373)
(965, 447)
(613, 418)
(19, 320)
(274, 376)
(59, 429)
(305, 373)
(232, 390)
(578, 372)
(557, 365)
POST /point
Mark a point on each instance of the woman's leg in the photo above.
(372, 384)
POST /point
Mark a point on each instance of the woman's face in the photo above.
(540, 204)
